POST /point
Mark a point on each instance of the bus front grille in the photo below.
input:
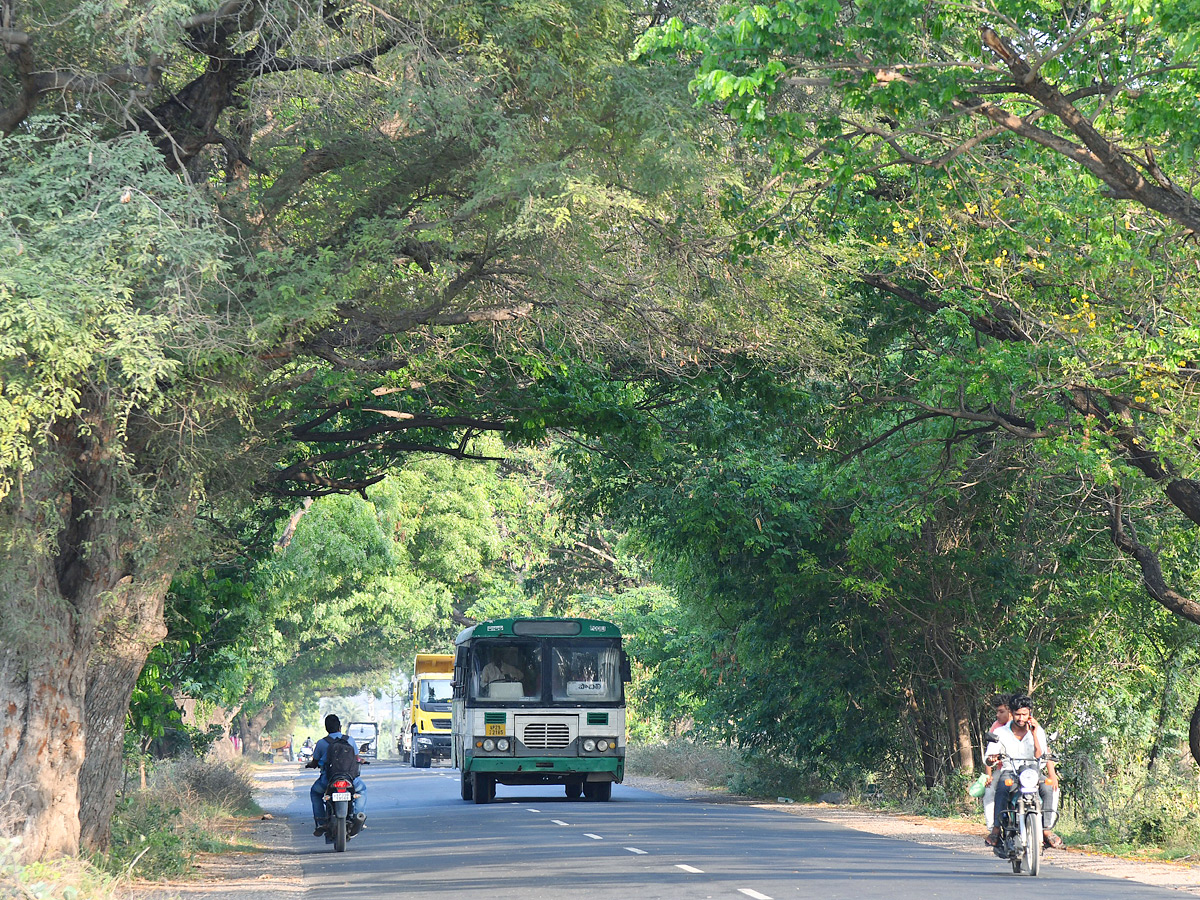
(546, 735)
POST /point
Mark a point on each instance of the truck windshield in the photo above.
(435, 690)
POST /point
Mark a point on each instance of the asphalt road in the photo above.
(533, 843)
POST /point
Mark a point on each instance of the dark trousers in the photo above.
(1049, 802)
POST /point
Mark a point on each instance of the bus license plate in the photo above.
(494, 728)
(340, 795)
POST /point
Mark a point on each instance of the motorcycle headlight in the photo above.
(489, 745)
(502, 744)
(1029, 779)
(589, 745)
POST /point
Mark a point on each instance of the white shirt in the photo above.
(1014, 747)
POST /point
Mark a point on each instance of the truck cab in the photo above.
(426, 736)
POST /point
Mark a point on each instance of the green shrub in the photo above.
(157, 832)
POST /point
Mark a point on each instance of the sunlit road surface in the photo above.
(532, 843)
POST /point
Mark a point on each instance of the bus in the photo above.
(539, 701)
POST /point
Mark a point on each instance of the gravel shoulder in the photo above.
(946, 833)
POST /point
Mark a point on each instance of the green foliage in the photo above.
(103, 306)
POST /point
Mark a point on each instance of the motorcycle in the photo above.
(304, 755)
(1020, 823)
(342, 821)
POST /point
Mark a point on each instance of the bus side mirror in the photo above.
(626, 668)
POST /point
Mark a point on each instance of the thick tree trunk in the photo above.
(78, 572)
(42, 688)
(56, 569)
(251, 729)
(133, 625)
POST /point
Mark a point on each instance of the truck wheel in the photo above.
(465, 782)
(482, 788)
(423, 761)
(602, 791)
(574, 789)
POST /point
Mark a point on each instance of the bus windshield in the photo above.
(585, 670)
(507, 670)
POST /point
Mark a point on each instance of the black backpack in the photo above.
(340, 758)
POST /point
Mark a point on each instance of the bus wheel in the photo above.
(602, 791)
(574, 789)
(482, 788)
(464, 785)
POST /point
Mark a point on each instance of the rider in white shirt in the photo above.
(1022, 739)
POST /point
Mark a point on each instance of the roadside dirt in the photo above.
(945, 833)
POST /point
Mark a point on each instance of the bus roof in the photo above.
(539, 627)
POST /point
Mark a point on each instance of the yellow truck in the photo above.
(426, 733)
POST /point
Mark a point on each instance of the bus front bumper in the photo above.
(548, 769)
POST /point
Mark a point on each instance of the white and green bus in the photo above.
(539, 701)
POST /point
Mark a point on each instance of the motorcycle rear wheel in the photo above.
(1033, 842)
(339, 834)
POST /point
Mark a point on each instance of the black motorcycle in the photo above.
(1020, 840)
(341, 821)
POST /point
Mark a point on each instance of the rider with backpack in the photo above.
(335, 754)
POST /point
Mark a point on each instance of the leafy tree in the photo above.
(362, 231)
(1017, 178)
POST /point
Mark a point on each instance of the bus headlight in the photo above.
(489, 745)
(502, 744)
(589, 745)
(601, 745)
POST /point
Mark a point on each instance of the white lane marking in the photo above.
(558, 821)
(636, 850)
(594, 837)
(750, 892)
(691, 869)
(531, 809)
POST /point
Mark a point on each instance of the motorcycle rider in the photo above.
(1022, 739)
(1003, 717)
(333, 725)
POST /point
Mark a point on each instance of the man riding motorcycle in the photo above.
(333, 725)
(1022, 739)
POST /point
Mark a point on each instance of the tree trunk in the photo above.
(960, 720)
(57, 567)
(133, 625)
(251, 728)
(42, 689)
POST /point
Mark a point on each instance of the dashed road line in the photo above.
(558, 821)
(531, 809)
(594, 837)
(636, 850)
(691, 869)
(750, 892)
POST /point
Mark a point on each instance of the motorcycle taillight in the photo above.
(341, 785)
